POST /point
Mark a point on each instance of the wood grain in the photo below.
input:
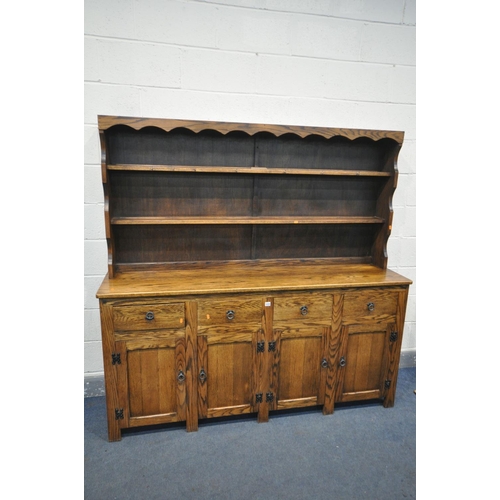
(257, 249)
(135, 167)
(137, 123)
(238, 277)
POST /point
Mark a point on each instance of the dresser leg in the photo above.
(263, 415)
(114, 430)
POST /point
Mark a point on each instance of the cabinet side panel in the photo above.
(110, 373)
(395, 350)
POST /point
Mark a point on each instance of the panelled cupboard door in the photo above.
(363, 361)
(300, 367)
(226, 382)
(152, 380)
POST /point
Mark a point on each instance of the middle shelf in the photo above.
(244, 220)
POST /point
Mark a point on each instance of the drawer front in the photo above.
(370, 306)
(303, 309)
(229, 311)
(148, 317)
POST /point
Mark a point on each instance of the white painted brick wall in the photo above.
(348, 63)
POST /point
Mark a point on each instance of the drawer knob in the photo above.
(303, 310)
(181, 377)
(370, 306)
(203, 375)
(342, 362)
(230, 315)
(150, 316)
(324, 363)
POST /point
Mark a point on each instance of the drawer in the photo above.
(370, 306)
(304, 308)
(148, 317)
(229, 311)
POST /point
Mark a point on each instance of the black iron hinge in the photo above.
(260, 346)
(116, 359)
(119, 414)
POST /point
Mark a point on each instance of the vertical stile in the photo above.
(192, 368)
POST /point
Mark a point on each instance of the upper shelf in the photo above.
(246, 170)
(105, 122)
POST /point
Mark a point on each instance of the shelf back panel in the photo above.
(316, 152)
(144, 244)
(174, 194)
(142, 194)
(160, 244)
(314, 241)
(153, 146)
(316, 196)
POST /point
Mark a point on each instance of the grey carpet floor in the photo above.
(362, 451)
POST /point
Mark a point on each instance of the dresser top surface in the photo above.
(238, 277)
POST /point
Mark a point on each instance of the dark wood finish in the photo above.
(325, 192)
(106, 122)
(241, 262)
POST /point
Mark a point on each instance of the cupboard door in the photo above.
(152, 380)
(363, 361)
(300, 366)
(226, 382)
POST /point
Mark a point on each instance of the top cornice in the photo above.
(106, 122)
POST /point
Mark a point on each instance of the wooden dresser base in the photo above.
(254, 344)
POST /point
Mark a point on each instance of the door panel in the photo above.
(226, 374)
(152, 382)
(229, 369)
(363, 361)
(299, 372)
